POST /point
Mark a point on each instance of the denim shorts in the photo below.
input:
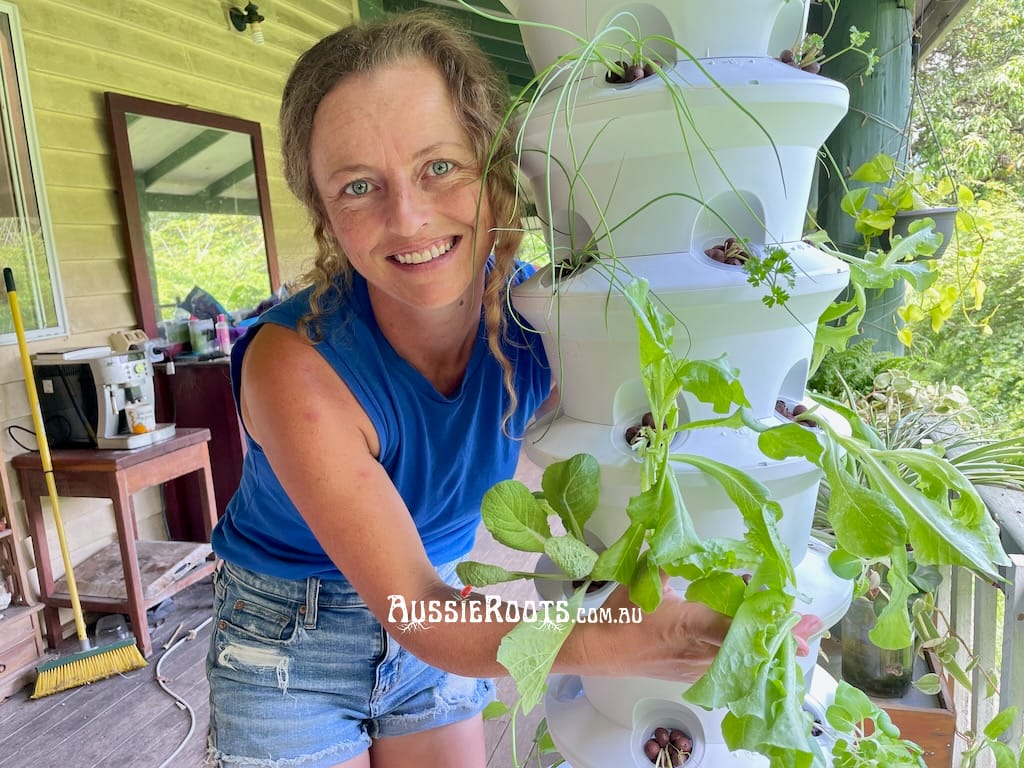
(302, 674)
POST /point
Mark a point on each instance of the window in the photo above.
(26, 239)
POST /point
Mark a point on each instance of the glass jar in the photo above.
(876, 671)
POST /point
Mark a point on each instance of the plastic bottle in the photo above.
(223, 336)
(196, 337)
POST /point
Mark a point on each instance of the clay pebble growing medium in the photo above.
(630, 73)
(730, 252)
(787, 57)
(635, 431)
(783, 409)
(668, 747)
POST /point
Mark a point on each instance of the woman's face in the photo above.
(400, 183)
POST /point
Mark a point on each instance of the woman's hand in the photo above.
(678, 641)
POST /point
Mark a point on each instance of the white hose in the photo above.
(178, 699)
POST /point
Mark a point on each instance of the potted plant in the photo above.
(877, 652)
(907, 218)
(808, 53)
(899, 198)
(636, 179)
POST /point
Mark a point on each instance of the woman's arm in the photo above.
(323, 448)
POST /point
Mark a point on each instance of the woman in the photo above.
(379, 405)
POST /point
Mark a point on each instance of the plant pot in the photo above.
(697, 25)
(649, 714)
(590, 334)
(945, 224)
(709, 156)
(792, 482)
(876, 671)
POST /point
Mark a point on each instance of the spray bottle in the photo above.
(223, 336)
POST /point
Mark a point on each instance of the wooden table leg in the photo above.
(32, 489)
(126, 536)
(207, 496)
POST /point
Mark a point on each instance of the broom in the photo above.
(90, 664)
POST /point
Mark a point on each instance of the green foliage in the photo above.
(811, 50)
(988, 364)
(875, 511)
(875, 269)
(967, 125)
(894, 189)
(851, 370)
(222, 254)
(865, 734)
(902, 189)
(972, 97)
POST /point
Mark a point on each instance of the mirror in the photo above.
(196, 212)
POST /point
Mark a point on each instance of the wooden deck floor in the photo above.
(129, 720)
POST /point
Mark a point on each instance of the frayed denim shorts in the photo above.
(302, 674)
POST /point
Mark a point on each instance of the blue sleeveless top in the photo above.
(442, 453)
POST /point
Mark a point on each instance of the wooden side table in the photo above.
(117, 475)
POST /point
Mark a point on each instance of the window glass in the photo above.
(26, 239)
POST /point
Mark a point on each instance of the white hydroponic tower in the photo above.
(656, 175)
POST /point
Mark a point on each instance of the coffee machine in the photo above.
(94, 397)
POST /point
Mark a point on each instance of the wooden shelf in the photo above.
(21, 637)
(165, 567)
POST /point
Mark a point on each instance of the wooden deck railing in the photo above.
(990, 617)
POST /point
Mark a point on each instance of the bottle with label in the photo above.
(201, 334)
(223, 335)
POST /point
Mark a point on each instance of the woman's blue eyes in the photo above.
(361, 187)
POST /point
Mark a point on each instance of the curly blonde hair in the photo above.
(481, 99)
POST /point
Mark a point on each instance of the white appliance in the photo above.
(93, 397)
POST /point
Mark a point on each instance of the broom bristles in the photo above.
(87, 667)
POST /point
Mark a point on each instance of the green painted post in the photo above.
(876, 122)
(370, 9)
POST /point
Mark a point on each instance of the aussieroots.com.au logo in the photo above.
(415, 615)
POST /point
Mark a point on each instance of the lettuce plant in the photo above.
(875, 511)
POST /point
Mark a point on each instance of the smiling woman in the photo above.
(405, 207)
(380, 403)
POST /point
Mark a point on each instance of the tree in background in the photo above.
(228, 251)
(970, 116)
(969, 122)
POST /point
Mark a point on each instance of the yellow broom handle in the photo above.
(44, 454)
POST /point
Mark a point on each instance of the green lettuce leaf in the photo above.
(514, 517)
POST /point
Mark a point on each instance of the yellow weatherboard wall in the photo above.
(185, 52)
